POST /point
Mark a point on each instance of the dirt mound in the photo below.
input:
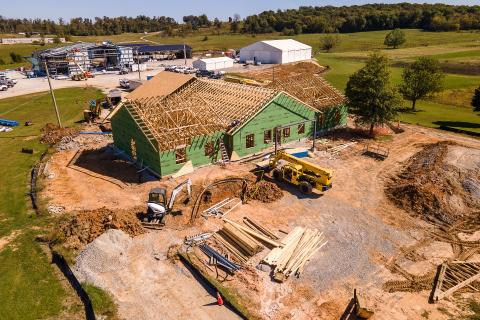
(52, 133)
(82, 228)
(441, 182)
(264, 191)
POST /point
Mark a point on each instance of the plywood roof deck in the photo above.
(311, 89)
(162, 84)
(199, 107)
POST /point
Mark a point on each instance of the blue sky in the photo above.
(222, 9)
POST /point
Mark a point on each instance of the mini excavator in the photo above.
(158, 206)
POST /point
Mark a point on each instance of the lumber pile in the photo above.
(241, 241)
(238, 242)
(255, 226)
(298, 247)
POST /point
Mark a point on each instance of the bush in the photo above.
(16, 58)
(205, 38)
(288, 32)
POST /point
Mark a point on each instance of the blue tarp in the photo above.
(9, 123)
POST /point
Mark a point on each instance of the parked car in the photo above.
(125, 83)
(170, 68)
(204, 73)
(190, 70)
(123, 71)
(180, 69)
(3, 87)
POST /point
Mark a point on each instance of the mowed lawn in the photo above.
(28, 287)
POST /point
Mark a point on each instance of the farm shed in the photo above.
(190, 126)
(318, 93)
(212, 64)
(276, 52)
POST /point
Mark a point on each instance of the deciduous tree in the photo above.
(422, 78)
(476, 100)
(395, 38)
(330, 42)
(372, 99)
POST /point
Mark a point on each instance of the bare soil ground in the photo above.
(370, 239)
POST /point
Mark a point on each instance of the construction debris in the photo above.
(299, 246)
(335, 151)
(52, 133)
(215, 209)
(453, 276)
(264, 191)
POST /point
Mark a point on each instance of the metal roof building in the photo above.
(212, 64)
(276, 52)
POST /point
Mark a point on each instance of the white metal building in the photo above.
(276, 52)
(212, 64)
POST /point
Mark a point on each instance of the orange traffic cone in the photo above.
(219, 299)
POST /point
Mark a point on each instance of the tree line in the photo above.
(87, 27)
(327, 19)
(370, 17)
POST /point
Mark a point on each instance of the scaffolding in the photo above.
(65, 60)
(200, 107)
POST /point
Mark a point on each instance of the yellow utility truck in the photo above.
(307, 176)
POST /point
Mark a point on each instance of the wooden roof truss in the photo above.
(200, 108)
(312, 89)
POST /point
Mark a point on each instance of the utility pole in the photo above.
(138, 65)
(184, 53)
(53, 96)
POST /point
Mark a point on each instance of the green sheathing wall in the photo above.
(283, 110)
(195, 153)
(124, 129)
(332, 117)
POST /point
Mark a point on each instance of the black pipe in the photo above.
(59, 260)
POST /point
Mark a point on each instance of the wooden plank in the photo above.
(254, 234)
(438, 285)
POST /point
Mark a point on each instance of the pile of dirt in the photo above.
(264, 191)
(440, 183)
(52, 133)
(79, 229)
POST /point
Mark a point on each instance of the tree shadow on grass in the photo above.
(409, 110)
(458, 124)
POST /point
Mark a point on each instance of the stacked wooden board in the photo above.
(243, 241)
(298, 247)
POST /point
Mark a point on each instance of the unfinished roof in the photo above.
(201, 107)
(162, 84)
(311, 89)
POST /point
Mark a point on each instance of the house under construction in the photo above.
(69, 59)
(176, 120)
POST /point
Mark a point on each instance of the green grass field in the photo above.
(28, 287)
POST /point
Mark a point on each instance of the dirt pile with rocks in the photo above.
(439, 183)
(52, 133)
(264, 191)
(79, 229)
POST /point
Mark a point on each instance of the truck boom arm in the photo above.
(282, 155)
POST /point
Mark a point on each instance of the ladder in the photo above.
(223, 150)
